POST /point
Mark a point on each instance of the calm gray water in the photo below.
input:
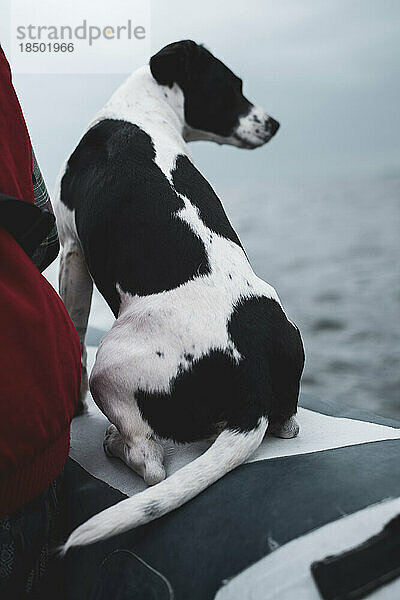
(333, 253)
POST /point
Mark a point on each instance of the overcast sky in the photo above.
(328, 70)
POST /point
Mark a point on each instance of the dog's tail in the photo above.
(230, 449)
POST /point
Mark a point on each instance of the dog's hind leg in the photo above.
(76, 288)
(143, 454)
(286, 430)
(286, 367)
(130, 438)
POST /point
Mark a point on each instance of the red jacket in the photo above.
(39, 347)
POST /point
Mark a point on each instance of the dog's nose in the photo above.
(272, 126)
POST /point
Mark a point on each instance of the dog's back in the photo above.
(125, 214)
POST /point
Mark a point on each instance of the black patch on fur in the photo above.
(213, 94)
(216, 389)
(125, 214)
(189, 182)
(200, 397)
(160, 354)
(152, 510)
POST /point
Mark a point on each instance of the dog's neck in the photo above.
(158, 110)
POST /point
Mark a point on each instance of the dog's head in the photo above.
(214, 106)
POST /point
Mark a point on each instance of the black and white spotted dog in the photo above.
(201, 346)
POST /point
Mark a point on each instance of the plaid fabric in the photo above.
(27, 539)
(49, 247)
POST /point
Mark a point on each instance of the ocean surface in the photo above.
(332, 251)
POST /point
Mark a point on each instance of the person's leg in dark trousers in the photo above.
(28, 539)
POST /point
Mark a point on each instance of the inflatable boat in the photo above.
(307, 518)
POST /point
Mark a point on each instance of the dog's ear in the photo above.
(172, 63)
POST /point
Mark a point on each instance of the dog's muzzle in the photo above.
(255, 129)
